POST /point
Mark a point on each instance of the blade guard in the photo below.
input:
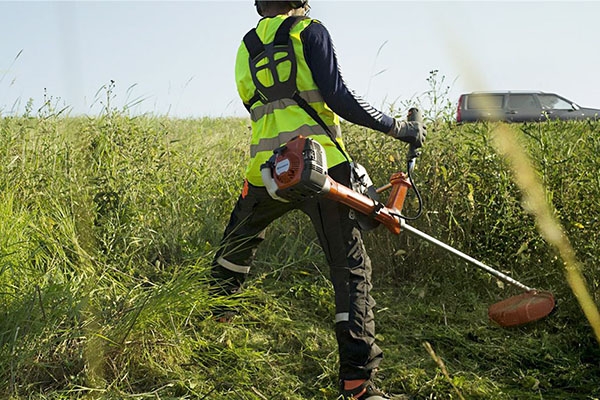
(521, 309)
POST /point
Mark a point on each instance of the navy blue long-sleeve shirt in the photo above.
(321, 58)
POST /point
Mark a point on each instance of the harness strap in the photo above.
(282, 36)
(253, 44)
(313, 114)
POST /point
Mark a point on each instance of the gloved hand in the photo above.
(411, 132)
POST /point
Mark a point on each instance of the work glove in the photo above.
(411, 132)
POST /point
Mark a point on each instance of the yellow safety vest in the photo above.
(274, 123)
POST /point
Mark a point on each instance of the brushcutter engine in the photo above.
(296, 170)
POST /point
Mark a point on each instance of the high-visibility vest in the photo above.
(274, 123)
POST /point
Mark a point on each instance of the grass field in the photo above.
(108, 225)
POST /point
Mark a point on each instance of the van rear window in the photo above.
(485, 101)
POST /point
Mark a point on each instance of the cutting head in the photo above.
(523, 308)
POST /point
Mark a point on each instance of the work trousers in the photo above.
(341, 240)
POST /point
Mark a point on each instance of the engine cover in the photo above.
(299, 169)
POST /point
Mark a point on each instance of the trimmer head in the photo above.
(521, 309)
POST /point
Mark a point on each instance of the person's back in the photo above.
(267, 85)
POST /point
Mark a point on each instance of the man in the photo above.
(288, 78)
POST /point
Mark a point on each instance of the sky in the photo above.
(176, 58)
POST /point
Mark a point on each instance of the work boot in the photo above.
(364, 389)
(224, 284)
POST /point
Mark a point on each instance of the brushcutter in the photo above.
(298, 170)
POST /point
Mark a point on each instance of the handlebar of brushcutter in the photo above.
(414, 114)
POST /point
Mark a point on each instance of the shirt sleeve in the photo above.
(320, 56)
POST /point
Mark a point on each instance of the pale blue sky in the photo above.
(179, 56)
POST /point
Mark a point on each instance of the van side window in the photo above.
(552, 102)
(522, 101)
(485, 101)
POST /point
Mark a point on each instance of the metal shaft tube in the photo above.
(497, 274)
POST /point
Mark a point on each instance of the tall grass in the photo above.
(109, 224)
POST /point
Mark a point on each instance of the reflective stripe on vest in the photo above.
(276, 122)
(270, 144)
(311, 96)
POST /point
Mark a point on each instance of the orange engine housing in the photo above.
(299, 169)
